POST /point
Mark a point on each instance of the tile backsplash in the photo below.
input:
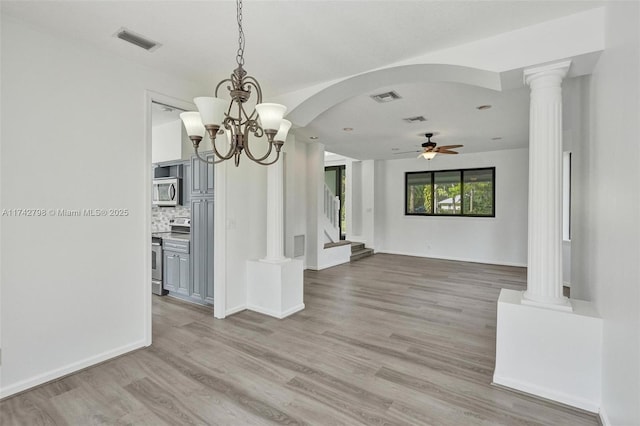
(160, 216)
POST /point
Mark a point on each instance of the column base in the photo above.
(275, 288)
(561, 304)
(553, 354)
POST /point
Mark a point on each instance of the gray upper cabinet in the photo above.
(186, 183)
(202, 176)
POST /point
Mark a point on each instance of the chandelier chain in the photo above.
(240, 54)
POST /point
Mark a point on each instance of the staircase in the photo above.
(359, 251)
(331, 218)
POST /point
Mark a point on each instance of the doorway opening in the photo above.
(335, 180)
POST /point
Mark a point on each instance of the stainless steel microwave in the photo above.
(166, 191)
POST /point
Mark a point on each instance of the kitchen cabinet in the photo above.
(202, 248)
(176, 272)
(186, 183)
(202, 175)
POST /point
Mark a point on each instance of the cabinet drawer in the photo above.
(175, 246)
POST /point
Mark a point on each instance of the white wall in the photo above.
(295, 180)
(315, 181)
(606, 243)
(73, 137)
(246, 204)
(499, 240)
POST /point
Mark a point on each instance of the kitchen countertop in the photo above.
(168, 235)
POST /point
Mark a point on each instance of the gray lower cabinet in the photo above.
(202, 248)
(176, 272)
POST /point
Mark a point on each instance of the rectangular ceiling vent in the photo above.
(385, 97)
(416, 119)
(137, 39)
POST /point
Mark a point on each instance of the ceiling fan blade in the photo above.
(450, 146)
(446, 151)
(406, 152)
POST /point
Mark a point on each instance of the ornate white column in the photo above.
(275, 284)
(544, 273)
(275, 213)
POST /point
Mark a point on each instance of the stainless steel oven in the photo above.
(156, 266)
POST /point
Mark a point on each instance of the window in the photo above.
(466, 192)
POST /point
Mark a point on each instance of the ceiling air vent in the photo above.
(137, 39)
(385, 97)
(416, 119)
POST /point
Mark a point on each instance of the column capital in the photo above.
(558, 70)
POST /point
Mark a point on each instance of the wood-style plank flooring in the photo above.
(391, 340)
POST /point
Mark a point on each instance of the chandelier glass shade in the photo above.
(235, 119)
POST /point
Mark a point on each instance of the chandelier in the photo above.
(217, 116)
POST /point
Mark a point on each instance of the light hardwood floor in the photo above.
(391, 340)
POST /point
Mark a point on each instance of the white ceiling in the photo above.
(295, 44)
(163, 114)
(451, 113)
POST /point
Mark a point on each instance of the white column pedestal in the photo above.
(553, 354)
(275, 289)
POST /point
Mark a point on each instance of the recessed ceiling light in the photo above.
(496, 138)
(481, 107)
(348, 129)
(313, 137)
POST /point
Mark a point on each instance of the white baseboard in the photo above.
(236, 309)
(591, 406)
(68, 369)
(457, 259)
(327, 265)
(604, 419)
(279, 315)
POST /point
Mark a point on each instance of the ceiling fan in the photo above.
(431, 149)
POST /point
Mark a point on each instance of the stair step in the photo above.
(337, 244)
(362, 253)
(356, 246)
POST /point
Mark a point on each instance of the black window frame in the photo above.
(461, 171)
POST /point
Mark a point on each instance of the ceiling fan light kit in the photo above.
(217, 116)
(431, 149)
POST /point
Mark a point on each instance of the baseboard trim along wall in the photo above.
(604, 419)
(546, 393)
(236, 309)
(68, 369)
(327, 265)
(456, 259)
(279, 315)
